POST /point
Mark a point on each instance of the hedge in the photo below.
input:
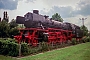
(11, 47)
(8, 47)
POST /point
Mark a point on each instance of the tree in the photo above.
(8, 29)
(21, 26)
(13, 31)
(13, 28)
(13, 23)
(85, 30)
(4, 29)
(57, 17)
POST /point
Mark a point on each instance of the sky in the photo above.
(70, 10)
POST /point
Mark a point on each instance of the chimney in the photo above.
(36, 11)
(4, 15)
(0, 19)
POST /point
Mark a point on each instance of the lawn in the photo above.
(76, 52)
(7, 58)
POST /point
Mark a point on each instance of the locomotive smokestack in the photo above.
(36, 11)
(46, 16)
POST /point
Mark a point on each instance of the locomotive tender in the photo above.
(39, 27)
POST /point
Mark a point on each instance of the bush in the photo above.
(88, 39)
(13, 49)
(34, 50)
(24, 49)
(44, 46)
(8, 48)
(73, 41)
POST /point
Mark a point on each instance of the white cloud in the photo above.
(77, 21)
(61, 2)
(70, 10)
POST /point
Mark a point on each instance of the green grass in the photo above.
(7, 58)
(77, 52)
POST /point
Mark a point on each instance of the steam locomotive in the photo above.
(42, 28)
